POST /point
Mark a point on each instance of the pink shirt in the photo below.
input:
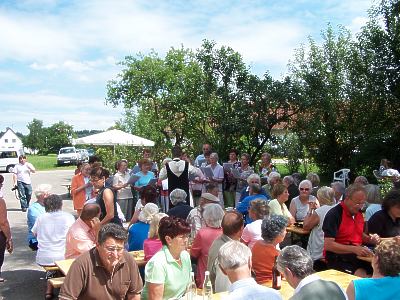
(80, 238)
(151, 247)
(201, 244)
(252, 233)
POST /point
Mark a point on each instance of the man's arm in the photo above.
(332, 246)
(31, 167)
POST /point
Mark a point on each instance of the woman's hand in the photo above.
(9, 245)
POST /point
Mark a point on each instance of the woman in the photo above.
(167, 273)
(266, 167)
(124, 191)
(305, 202)
(213, 214)
(81, 188)
(6, 241)
(277, 206)
(230, 181)
(152, 244)
(245, 171)
(314, 223)
(105, 196)
(148, 195)
(374, 200)
(145, 175)
(273, 231)
(218, 174)
(178, 199)
(139, 231)
(258, 210)
(385, 281)
(51, 230)
(386, 222)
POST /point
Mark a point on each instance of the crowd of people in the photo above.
(200, 216)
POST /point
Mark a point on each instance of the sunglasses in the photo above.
(304, 189)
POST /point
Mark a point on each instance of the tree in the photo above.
(59, 135)
(36, 139)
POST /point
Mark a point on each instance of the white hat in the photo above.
(210, 197)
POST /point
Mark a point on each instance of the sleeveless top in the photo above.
(179, 182)
(100, 201)
(385, 288)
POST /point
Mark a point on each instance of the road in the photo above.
(25, 279)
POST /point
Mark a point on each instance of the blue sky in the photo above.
(56, 56)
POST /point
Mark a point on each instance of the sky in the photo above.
(56, 56)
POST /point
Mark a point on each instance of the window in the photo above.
(5, 140)
(14, 140)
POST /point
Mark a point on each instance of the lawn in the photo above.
(47, 162)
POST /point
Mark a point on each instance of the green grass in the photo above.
(47, 162)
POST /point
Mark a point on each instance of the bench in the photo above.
(57, 282)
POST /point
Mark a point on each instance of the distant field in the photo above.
(46, 162)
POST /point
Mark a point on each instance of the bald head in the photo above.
(232, 224)
(90, 211)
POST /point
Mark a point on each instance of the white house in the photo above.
(9, 140)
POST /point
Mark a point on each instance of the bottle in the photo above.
(191, 290)
(207, 287)
(276, 277)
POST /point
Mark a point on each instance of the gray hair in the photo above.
(314, 178)
(42, 189)
(272, 227)
(253, 176)
(52, 203)
(177, 196)
(213, 214)
(288, 180)
(326, 196)
(305, 182)
(233, 255)
(214, 155)
(255, 188)
(373, 194)
(112, 230)
(339, 187)
(297, 260)
(272, 176)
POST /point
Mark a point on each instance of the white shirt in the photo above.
(51, 231)
(177, 167)
(252, 233)
(120, 178)
(248, 289)
(23, 173)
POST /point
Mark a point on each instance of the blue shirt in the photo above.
(144, 179)
(138, 232)
(249, 289)
(385, 288)
(244, 205)
(35, 210)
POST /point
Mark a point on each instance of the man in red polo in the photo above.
(344, 234)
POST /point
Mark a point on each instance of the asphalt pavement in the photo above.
(24, 279)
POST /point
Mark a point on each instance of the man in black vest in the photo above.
(178, 171)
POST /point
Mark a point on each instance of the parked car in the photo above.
(91, 152)
(9, 158)
(68, 156)
(84, 155)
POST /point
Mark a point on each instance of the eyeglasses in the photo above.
(94, 179)
(304, 189)
(113, 249)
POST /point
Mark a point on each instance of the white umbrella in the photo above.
(113, 137)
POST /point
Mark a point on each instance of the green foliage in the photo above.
(36, 138)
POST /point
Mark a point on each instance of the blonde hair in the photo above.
(154, 223)
(326, 196)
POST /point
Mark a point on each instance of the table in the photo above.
(298, 231)
(341, 278)
(65, 264)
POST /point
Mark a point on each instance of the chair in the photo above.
(377, 174)
(342, 175)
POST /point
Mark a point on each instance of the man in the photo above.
(339, 189)
(255, 192)
(178, 171)
(343, 234)
(195, 217)
(232, 228)
(81, 236)
(297, 267)
(22, 179)
(146, 155)
(35, 210)
(234, 259)
(201, 158)
(266, 166)
(104, 272)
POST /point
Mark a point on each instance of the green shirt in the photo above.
(275, 208)
(163, 269)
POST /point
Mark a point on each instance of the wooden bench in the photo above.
(51, 268)
(57, 282)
